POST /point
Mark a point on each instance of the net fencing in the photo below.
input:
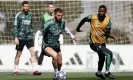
(121, 13)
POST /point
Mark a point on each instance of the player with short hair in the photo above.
(51, 31)
(38, 38)
(47, 16)
(99, 33)
(23, 33)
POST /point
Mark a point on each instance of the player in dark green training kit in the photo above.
(23, 33)
(51, 45)
(47, 16)
(99, 33)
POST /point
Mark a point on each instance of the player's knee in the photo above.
(55, 56)
(111, 54)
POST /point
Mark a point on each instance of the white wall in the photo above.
(87, 57)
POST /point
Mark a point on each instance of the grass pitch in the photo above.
(70, 76)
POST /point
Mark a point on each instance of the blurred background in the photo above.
(76, 58)
(121, 13)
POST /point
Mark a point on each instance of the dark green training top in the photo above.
(51, 32)
(23, 29)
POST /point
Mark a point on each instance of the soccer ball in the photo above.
(61, 75)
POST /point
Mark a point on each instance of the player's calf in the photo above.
(59, 62)
(41, 57)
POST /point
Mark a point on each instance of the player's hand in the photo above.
(78, 30)
(16, 41)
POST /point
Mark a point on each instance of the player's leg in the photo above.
(51, 52)
(19, 49)
(99, 73)
(41, 57)
(30, 46)
(109, 56)
(36, 54)
(16, 62)
(59, 61)
(101, 56)
(59, 57)
(101, 61)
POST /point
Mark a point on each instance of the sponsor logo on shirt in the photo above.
(27, 22)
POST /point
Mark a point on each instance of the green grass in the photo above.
(70, 76)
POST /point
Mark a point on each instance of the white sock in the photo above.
(99, 72)
(55, 70)
(35, 67)
(106, 72)
(15, 68)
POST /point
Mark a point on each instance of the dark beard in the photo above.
(57, 20)
(101, 18)
(25, 12)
